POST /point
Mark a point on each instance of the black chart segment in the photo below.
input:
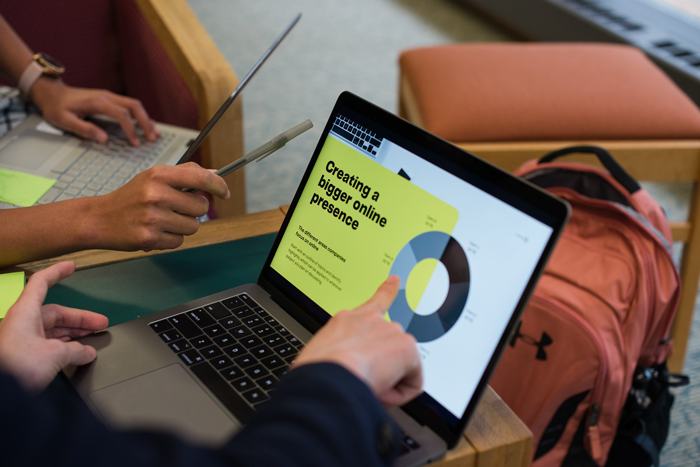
(444, 248)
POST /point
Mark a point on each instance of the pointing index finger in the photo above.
(384, 296)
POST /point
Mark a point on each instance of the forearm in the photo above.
(15, 55)
(320, 416)
(47, 231)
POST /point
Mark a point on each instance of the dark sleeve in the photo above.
(320, 415)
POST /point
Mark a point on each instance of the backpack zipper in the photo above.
(592, 430)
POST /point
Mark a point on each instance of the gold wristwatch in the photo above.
(41, 65)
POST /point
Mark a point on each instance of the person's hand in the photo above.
(66, 107)
(151, 212)
(35, 339)
(378, 352)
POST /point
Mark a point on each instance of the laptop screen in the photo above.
(376, 201)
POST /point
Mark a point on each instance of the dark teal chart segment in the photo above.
(447, 250)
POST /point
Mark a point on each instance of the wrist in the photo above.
(45, 90)
(89, 225)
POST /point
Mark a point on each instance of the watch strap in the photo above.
(30, 75)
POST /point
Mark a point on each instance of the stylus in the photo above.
(263, 151)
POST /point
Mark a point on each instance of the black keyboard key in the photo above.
(271, 321)
(260, 312)
(170, 336)
(160, 326)
(232, 373)
(233, 302)
(286, 350)
(290, 360)
(242, 312)
(180, 346)
(243, 384)
(261, 352)
(273, 362)
(224, 340)
(235, 350)
(264, 330)
(221, 362)
(240, 331)
(282, 330)
(211, 352)
(216, 330)
(267, 382)
(190, 357)
(201, 318)
(247, 300)
(244, 361)
(255, 396)
(217, 310)
(250, 341)
(256, 371)
(294, 341)
(252, 321)
(185, 326)
(201, 342)
(280, 372)
(230, 322)
(274, 340)
(223, 391)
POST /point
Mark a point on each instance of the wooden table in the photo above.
(495, 436)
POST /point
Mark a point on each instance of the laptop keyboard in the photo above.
(234, 347)
(238, 351)
(103, 168)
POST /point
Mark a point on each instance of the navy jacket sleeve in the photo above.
(320, 415)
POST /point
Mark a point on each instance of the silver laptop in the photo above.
(87, 168)
(379, 197)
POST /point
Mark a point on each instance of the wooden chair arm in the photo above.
(211, 80)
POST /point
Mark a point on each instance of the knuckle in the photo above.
(192, 227)
(147, 239)
(157, 173)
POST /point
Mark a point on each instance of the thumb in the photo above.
(75, 353)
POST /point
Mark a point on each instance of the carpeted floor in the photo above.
(341, 45)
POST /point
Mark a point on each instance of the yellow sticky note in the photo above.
(11, 286)
(22, 189)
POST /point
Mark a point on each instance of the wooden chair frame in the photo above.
(657, 160)
(211, 80)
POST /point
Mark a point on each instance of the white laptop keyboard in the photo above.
(103, 168)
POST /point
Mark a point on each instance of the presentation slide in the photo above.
(352, 220)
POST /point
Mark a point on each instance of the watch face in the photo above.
(51, 66)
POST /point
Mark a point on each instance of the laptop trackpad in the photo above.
(166, 399)
(31, 149)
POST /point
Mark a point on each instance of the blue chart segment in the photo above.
(449, 252)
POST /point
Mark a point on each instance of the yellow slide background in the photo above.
(305, 255)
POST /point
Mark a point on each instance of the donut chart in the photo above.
(447, 250)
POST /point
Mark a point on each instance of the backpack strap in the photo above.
(615, 169)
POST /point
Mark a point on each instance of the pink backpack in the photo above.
(603, 307)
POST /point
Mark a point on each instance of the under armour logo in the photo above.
(529, 340)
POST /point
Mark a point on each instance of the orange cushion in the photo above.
(545, 92)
